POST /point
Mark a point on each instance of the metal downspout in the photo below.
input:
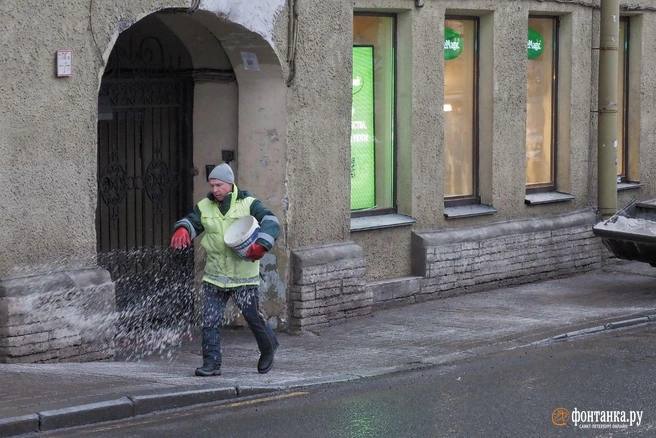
(292, 38)
(607, 108)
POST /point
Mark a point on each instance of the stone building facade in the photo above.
(476, 163)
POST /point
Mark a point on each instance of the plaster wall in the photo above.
(319, 109)
(215, 127)
(49, 127)
(387, 253)
(47, 138)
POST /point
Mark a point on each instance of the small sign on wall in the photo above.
(64, 63)
(249, 61)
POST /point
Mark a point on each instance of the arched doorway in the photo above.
(170, 105)
(146, 170)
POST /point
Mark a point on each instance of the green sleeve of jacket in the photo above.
(192, 223)
(269, 224)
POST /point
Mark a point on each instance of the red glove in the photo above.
(255, 252)
(181, 238)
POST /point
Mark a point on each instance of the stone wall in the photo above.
(508, 253)
(328, 286)
(65, 316)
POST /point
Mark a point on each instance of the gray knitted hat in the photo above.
(222, 172)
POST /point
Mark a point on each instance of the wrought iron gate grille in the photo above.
(144, 186)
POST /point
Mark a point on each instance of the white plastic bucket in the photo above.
(241, 235)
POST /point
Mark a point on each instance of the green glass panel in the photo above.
(363, 181)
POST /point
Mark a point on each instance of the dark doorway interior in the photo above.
(145, 173)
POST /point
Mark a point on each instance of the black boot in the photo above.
(266, 359)
(209, 368)
(211, 353)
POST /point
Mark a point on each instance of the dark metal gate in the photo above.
(144, 186)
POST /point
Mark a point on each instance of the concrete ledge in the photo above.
(394, 289)
(19, 425)
(650, 204)
(464, 211)
(624, 186)
(364, 223)
(81, 278)
(22, 286)
(144, 404)
(86, 414)
(547, 198)
(325, 254)
(445, 237)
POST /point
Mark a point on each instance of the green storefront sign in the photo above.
(535, 45)
(363, 181)
(452, 44)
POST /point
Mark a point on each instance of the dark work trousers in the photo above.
(246, 299)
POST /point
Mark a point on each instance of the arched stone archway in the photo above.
(204, 110)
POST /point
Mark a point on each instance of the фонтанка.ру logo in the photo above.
(596, 419)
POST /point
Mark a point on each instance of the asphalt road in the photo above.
(508, 394)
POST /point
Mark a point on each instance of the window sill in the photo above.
(547, 198)
(624, 186)
(365, 223)
(464, 211)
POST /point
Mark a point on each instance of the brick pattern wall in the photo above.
(57, 317)
(328, 286)
(503, 259)
(395, 291)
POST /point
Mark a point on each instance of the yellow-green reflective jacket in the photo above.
(224, 268)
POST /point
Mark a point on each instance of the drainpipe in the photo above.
(607, 107)
(292, 39)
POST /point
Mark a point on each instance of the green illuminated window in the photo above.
(372, 114)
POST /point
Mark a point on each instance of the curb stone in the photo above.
(19, 425)
(627, 323)
(124, 407)
(86, 414)
(145, 404)
(245, 391)
(608, 326)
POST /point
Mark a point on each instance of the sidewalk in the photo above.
(390, 340)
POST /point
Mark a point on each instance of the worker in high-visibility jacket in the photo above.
(226, 274)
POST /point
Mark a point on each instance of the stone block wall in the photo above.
(328, 286)
(395, 291)
(509, 253)
(64, 316)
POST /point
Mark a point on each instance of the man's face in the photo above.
(220, 188)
